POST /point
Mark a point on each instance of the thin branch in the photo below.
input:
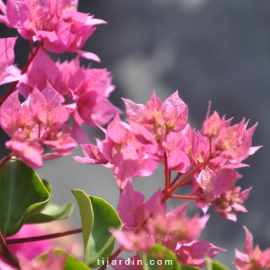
(167, 173)
(40, 238)
(186, 177)
(184, 197)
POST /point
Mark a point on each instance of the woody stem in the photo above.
(167, 173)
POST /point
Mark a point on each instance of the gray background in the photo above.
(216, 50)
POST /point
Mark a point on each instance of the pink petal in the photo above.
(88, 55)
(225, 179)
(134, 110)
(17, 13)
(116, 132)
(154, 102)
(245, 194)
(146, 167)
(50, 156)
(202, 205)
(29, 155)
(125, 164)
(248, 246)
(178, 160)
(12, 74)
(129, 202)
(79, 134)
(7, 49)
(42, 69)
(37, 106)
(142, 134)
(9, 112)
(51, 96)
(174, 102)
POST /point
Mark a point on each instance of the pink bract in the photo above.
(254, 258)
(121, 152)
(35, 123)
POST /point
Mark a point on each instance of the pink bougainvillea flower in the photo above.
(121, 152)
(89, 89)
(254, 258)
(193, 253)
(133, 242)
(151, 123)
(160, 226)
(56, 23)
(176, 225)
(231, 142)
(85, 90)
(41, 70)
(35, 123)
(131, 207)
(218, 189)
(177, 159)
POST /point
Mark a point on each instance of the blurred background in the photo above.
(206, 49)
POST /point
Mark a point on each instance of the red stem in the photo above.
(184, 197)
(40, 238)
(188, 183)
(167, 173)
(31, 45)
(6, 159)
(13, 86)
(172, 189)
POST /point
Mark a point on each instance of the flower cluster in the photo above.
(173, 229)
(254, 258)
(53, 92)
(56, 23)
(159, 133)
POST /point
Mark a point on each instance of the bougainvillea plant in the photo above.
(35, 111)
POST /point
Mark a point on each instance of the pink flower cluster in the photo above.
(254, 258)
(173, 229)
(53, 92)
(159, 133)
(54, 22)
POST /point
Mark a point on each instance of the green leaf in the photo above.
(71, 262)
(86, 213)
(159, 256)
(214, 265)
(21, 191)
(97, 217)
(47, 186)
(101, 242)
(49, 213)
